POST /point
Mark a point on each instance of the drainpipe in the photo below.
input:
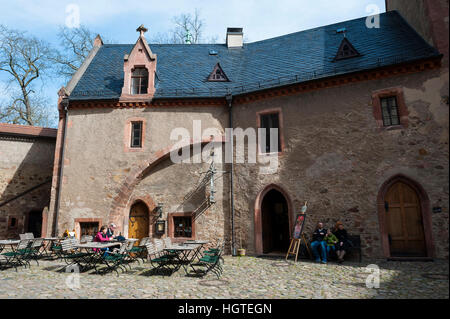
(65, 103)
(229, 99)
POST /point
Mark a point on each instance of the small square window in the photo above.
(268, 122)
(136, 134)
(182, 226)
(12, 223)
(389, 111)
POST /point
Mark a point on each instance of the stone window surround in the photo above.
(16, 225)
(401, 105)
(78, 222)
(127, 135)
(281, 128)
(171, 226)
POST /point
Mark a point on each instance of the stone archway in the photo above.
(424, 211)
(121, 202)
(258, 218)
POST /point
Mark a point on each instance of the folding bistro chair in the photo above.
(211, 261)
(35, 249)
(117, 258)
(138, 252)
(158, 260)
(17, 257)
(72, 255)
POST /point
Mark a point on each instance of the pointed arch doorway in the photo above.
(138, 223)
(272, 221)
(405, 219)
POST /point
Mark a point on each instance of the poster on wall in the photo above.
(298, 225)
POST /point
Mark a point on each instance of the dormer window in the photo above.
(218, 75)
(346, 50)
(139, 81)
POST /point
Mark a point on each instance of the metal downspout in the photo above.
(61, 165)
(230, 108)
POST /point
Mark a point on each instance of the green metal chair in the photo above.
(17, 257)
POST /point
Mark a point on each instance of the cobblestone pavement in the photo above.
(243, 277)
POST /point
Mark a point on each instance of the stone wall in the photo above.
(26, 161)
(429, 18)
(337, 157)
(98, 162)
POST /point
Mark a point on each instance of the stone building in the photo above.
(26, 169)
(362, 119)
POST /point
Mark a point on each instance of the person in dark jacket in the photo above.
(342, 244)
(319, 243)
(110, 231)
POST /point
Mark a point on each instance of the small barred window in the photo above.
(389, 110)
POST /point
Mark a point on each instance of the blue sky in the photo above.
(117, 20)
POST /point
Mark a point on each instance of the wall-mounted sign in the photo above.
(160, 227)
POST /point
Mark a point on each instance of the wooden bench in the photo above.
(355, 248)
(352, 254)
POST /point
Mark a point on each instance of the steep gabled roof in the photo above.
(182, 68)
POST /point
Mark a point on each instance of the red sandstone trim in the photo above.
(127, 136)
(281, 129)
(171, 226)
(147, 201)
(121, 201)
(425, 210)
(402, 109)
(258, 217)
(34, 131)
(78, 221)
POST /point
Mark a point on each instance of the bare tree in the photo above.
(24, 59)
(188, 28)
(76, 43)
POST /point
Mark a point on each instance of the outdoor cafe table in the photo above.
(200, 244)
(94, 257)
(182, 254)
(11, 242)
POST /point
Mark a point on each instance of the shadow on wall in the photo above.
(27, 192)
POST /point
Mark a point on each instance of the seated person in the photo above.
(331, 240)
(111, 229)
(101, 237)
(319, 242)
(343, 244)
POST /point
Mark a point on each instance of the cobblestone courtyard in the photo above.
(243, 277)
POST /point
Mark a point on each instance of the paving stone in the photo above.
(244, 277)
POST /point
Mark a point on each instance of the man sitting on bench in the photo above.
(318, 242)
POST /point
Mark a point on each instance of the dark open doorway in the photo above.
(35, 223)
(275, 223)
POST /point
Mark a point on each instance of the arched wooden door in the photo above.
(404, 221)
(138, 223)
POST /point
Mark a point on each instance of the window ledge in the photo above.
(392, 128)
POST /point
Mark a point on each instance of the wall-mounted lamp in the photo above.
(159, 209)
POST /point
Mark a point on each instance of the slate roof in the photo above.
(182, 70)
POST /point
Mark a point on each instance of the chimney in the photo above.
(235, 38)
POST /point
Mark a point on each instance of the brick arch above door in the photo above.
(425, 210)
(258, 218)
(121, 202)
